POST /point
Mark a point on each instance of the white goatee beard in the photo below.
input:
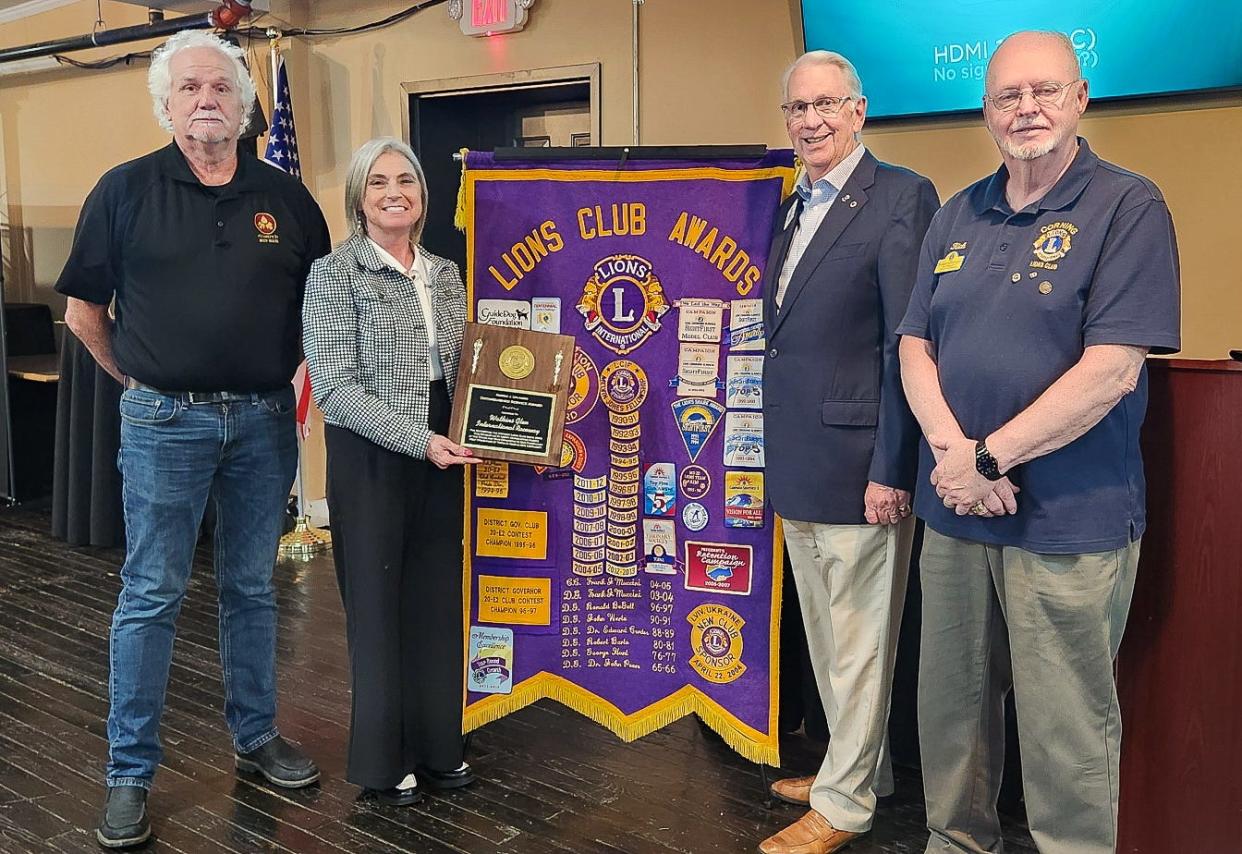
(1030, 151)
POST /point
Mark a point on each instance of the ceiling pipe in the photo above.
(226, 16)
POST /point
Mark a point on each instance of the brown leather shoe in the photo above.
(811, 834)
(794, 790)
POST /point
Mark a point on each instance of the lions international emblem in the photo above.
(623, 386)
(716, 641)
(622, 302)
(1053, 243)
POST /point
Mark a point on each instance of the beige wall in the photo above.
(708, 74)
(1192, 153)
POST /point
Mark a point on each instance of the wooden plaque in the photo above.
(512, 387)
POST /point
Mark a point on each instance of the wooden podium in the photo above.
(1180, 665)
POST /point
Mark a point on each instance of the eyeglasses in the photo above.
(826, 107)
(1047, 94)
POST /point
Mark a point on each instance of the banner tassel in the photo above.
(459, 216)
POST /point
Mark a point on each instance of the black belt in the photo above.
(199, 397)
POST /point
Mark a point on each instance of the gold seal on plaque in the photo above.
(516, 362)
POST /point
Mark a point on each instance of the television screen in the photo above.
(918, 57)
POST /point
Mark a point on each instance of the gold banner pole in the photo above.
(305, 540)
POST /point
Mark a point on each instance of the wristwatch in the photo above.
(985, 463)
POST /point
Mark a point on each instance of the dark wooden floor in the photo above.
(551, 781)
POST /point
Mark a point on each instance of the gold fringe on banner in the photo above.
(753, 745)
(459, 216)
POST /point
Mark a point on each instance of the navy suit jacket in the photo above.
(835, 415)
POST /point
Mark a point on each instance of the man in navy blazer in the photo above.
(841, 442)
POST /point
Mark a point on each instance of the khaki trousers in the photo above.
(851, 583)
(1049, 627)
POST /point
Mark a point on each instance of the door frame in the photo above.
(532, 78)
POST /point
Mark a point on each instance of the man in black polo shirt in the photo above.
(1040, 290)
(206, 256)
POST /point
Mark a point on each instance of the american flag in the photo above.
(282, 152)
(282, 139)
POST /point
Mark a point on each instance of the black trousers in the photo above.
(396, 540)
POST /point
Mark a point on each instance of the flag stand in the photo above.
(305, 540)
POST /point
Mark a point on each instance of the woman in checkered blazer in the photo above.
(383, 325)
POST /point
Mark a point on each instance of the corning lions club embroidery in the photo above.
(1053, 244)
(622, 302)
(265, 224)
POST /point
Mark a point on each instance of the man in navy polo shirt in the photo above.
(204, 255)
(1040, 291)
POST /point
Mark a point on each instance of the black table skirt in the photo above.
(86, 488)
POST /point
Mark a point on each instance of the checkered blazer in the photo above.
(366, 343)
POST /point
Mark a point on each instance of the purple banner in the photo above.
(640, 578)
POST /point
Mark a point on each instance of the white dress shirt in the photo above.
(417, 273)
(817, 200)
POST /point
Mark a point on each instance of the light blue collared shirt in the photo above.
(817, 200)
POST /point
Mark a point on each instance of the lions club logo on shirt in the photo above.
(1053, 244)
(265, 224)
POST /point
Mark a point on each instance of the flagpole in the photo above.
(273, 36)
(305, 540)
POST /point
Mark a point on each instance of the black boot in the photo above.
(280, 763)
(124, 823)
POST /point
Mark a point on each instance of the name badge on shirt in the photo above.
(949, 263)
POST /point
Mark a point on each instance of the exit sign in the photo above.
(488, 17)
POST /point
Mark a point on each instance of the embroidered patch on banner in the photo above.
(718, 568)
(573, 454)
(511, 533)
(698, 371)
(583, 387)
(699, 319)
(695, 482)
(622, 302)
(660, 490)
(697, 418)
(744, 382)
(660, 546)
(545, 314)
(623, 386)
(744, 440)
(694, 516)
(746, 325)
(517, 600)
(490, 662)
(716, 641)
(491, 479)
(511, 313)
(743, 499)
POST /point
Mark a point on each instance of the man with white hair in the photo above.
(842, 444)
(204, 256)
(1040, 290)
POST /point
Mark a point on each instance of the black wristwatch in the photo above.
(985, 463)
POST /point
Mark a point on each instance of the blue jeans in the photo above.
(175, 457)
